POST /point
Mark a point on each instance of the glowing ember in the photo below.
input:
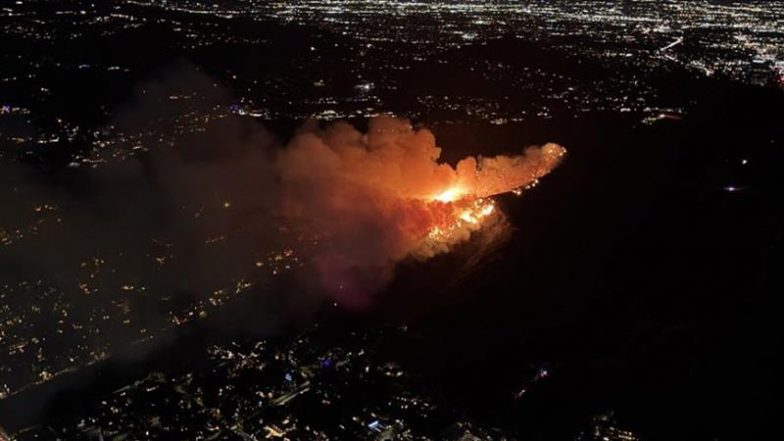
(465, 216)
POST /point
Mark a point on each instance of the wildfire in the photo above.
(467, 214)
(449, 195)
(378, 197)
(480, 210)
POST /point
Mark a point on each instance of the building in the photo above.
(604, 427)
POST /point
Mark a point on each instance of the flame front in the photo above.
(466, 211)
(466, 214)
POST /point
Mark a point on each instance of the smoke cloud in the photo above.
(372, 199)
(186, 205)
(214, 203)
(216, 207)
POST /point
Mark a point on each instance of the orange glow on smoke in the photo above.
(375, 198)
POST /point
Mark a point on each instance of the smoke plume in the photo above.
(372, 199)
(180, 205)
(213, 201)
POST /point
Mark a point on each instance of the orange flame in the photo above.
(465, 214)
(449, 195)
